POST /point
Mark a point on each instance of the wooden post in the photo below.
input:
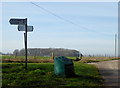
(25, 34)
(115, 43)
(52, 55)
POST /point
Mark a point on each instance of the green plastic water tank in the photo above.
(63, 66)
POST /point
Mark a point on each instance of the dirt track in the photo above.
(109, 72)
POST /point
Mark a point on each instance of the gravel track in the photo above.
(109, 71)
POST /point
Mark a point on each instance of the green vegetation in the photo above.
(22, 57)
(41, 75)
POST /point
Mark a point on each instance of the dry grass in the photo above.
(97, 59)
(49, 60)
(29, 60)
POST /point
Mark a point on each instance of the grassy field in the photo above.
(22, 57)
(38, 59)
(41, 75)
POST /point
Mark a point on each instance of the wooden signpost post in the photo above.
(22, 26)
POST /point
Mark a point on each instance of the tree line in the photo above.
(47, 52)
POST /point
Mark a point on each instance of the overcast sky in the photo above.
(88, 27)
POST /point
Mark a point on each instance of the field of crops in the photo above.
(41, 75)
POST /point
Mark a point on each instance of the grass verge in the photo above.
(41, 75)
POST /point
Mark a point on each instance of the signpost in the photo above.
(18, 21)
(22, 26)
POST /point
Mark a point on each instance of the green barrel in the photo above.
(63, 66)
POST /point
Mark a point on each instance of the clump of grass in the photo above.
(42, 75)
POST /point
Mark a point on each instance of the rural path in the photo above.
(109, 72)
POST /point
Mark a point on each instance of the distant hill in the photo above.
(46, 52)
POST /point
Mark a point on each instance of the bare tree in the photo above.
(15, 52)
